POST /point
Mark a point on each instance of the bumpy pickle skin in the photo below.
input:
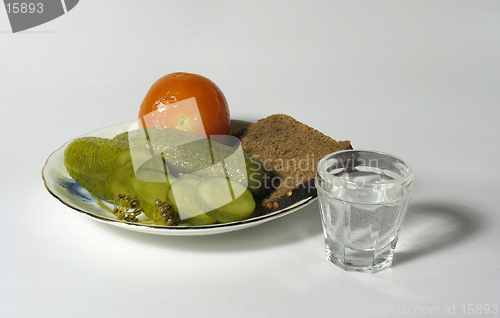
(100, 165)
(122, 136)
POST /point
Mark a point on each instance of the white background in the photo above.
(419, 79)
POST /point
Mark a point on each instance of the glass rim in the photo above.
(325, 175)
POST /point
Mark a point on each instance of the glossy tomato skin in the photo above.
(186, 101)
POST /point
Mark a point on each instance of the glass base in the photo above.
(369, 261)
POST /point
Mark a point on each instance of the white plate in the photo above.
(63, 187)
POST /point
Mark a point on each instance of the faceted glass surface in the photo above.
(363, 200)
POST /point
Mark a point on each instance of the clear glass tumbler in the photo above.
(363, 197)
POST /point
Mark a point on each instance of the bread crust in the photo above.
(304, 190)
(271, 139)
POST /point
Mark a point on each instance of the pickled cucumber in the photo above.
(100, 165)
(213, 177)
(182, 196)
(149, 186)
(226, 200)
(122, 136)
(188, 153)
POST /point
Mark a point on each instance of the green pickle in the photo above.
(149, 186)
(226, 200)
(188, 153)
(182, 196)
(100, 165)
(205, 182)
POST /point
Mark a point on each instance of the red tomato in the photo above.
(188, 102)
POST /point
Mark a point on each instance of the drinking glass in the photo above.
(363, 197)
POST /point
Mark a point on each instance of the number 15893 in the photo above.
(23, 7)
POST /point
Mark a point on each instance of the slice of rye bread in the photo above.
(290, 150)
